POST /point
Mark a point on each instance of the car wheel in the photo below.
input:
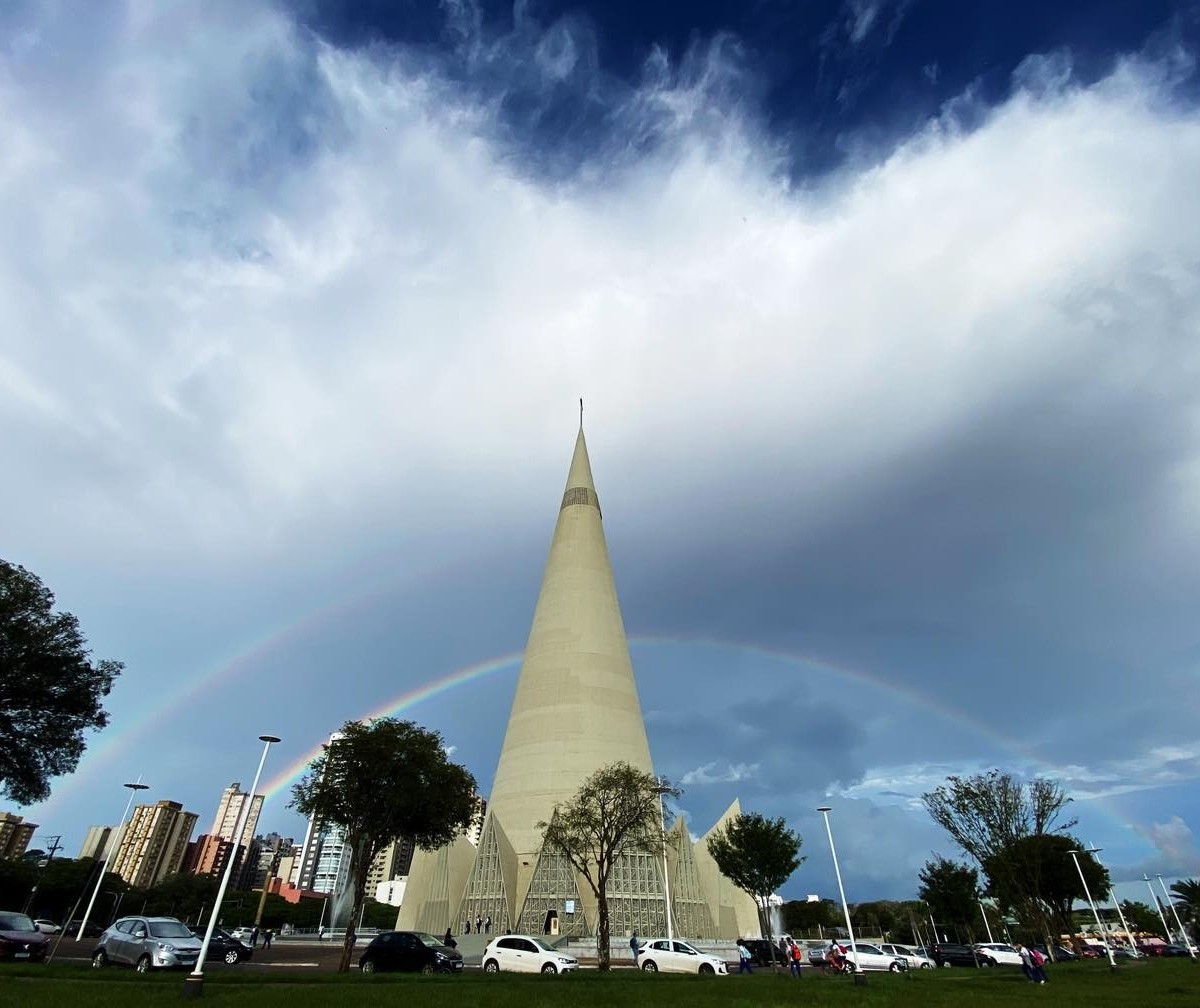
(894, 968)
(650, 966)
(549, 968)
(99, 960)
(491, 966)
(926, 965)
(947, 965)
(706, 969)
(428, 968)
(232, 957)
(367, 965)
(143, 964)
(986, 963)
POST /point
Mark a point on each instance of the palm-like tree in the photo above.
(1187, 899)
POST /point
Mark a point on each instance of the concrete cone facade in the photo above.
(575, 710)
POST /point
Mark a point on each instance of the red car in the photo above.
(20, 940)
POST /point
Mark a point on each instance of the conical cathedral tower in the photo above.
(575, 710)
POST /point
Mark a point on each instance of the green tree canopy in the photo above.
(1186, 897)
(758, 855)
(950, 890)
(802, 917)
(379, 781)
(1035, 876)
(1142, 918)
(616, 811)
(51, 692)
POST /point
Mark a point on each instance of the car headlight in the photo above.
(563, 959)
(164, 947)
(441, 955)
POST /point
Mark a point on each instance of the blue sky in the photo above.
(886, 315)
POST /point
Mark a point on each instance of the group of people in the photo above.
(483, 925)
(1032, 964)
(792, 954)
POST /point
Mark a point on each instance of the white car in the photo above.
(46, 926)
(871, 957)
(525, 954)
(663, 955)
(914, 957)
(997, 954)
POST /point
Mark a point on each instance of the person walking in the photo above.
(267, 936)
(1026, 963)
(254, 936)
(634, 948)
(743, 957)
(794, 958)
(487, 924)
(448, 940)
(1039, 963)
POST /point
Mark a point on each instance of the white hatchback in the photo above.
(525, 954)
(663, 955)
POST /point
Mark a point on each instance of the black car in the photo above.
(411, 952)
(949, 954)
(225, 947)
(20, 940)
(763, 951)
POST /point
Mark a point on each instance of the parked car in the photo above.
(762, 952)
(242, 933)
(525, 954)
(47, 926)
(662, 955)
(867, 956)
(409, 951)
(20, 940)
(951, 954)
(93, 930)
(915, 958)
(147, 943)
(1061, 953)
(997, 954)
(225, 947)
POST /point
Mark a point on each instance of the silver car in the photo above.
(147, 943)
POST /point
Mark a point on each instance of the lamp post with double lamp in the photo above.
(1158, 906)
(859, 978)
(1183, 935)
(986, 925)
(193, 986)
(663, 790)
(134, 788)
(1120, 913)
(1112, 963)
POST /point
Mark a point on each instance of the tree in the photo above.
(985, 813)
(1142, 918)
(1036, 877)
(616, 811)
(758, 855)
(51, 692)
(379, 781)
(801, 916)
(950, 891)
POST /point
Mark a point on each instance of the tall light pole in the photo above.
(193, 986)
(1183, 935)
(134, 788)
(1157, 906)
(1113, 896)
(985, 921)
(1112, 963)
(858, 975)
(664, 790)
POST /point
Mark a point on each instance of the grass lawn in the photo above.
(1074, 985)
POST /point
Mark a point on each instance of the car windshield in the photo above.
(170, 929)
(16, 922)
(543, 946)
(429, 940)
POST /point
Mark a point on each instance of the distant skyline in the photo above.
(886, 318)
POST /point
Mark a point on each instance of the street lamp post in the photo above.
(837, 871)
(193, 986)
(1112, 963)
(1158, 906)
(986, 925)
(134, 788)
(1120, 913)
(663, 790)
(1183, 935)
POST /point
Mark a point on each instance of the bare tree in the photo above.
(617, 811)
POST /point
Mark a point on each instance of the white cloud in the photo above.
(714, 773)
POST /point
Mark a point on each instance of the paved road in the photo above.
(298, 956)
